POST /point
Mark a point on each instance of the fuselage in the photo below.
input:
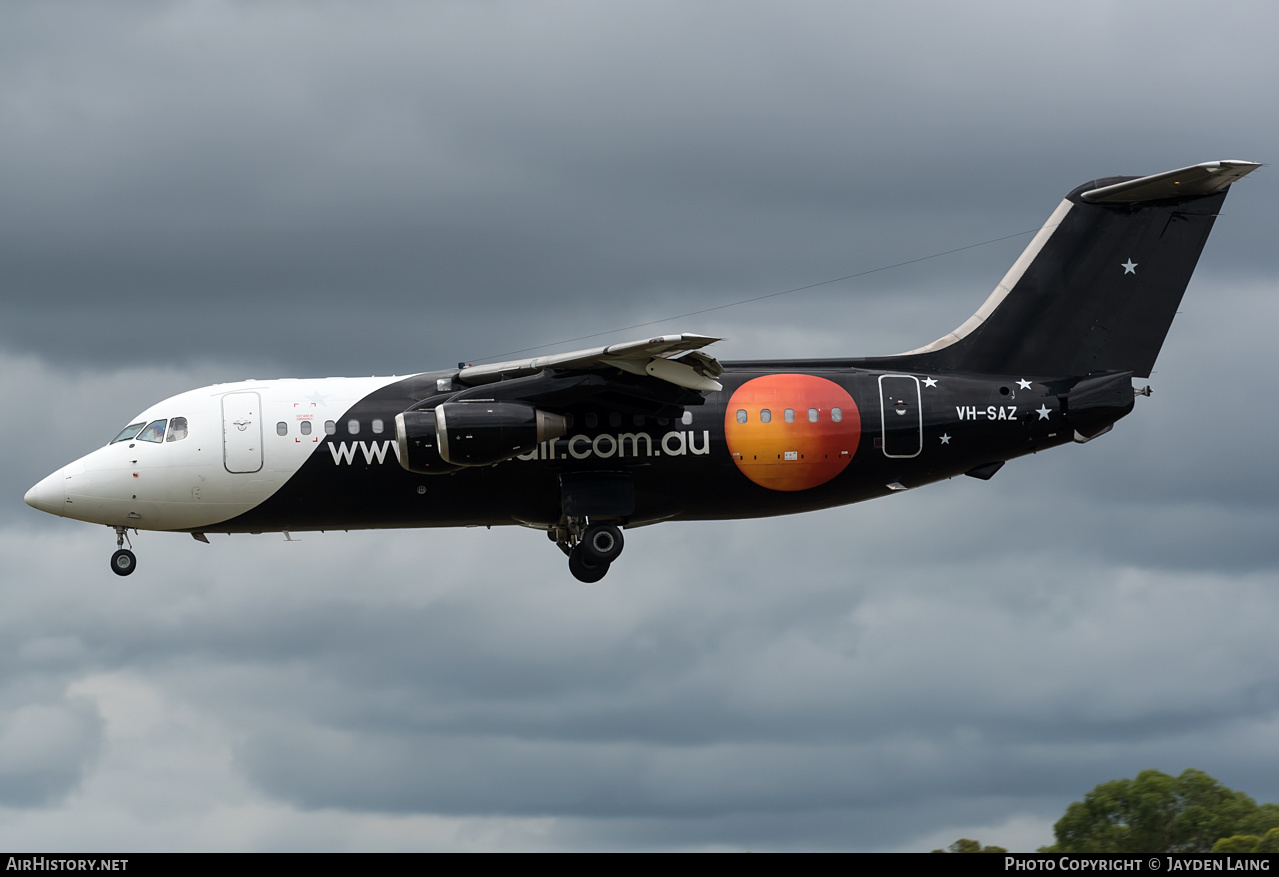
(299, 454)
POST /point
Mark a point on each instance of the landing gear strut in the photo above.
(123, 562)
(591, 548)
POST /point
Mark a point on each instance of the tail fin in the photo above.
(1097, 288)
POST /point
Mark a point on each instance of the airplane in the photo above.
(586, 443)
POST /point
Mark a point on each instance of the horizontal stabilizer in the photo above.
(1198, 179)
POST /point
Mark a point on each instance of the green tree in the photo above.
(1158, 813)
(1249, 843)
(964, 845)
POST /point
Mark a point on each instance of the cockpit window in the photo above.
(177, 429)
(128, 432)
(153, 432)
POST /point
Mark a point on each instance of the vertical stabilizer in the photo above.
(1098, 286)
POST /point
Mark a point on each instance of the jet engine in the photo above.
(419, 448)
(472, 433)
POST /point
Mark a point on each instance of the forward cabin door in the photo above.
(242, 432)
(901, 417)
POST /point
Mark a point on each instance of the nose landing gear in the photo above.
(123, 562)
(591, 549)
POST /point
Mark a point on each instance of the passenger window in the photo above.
(765, 416)
(281, 428)
(638, 419)
(812, 415)
(153, 432)
(614, 419)
(377, 425)
(836, 414)
(687, 418)
(790, 415)
(128, 432)
(353, 427)
(592, 420)
(306, 427)
(741, 415)
(177, 429)
(330, 428)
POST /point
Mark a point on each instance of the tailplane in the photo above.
(1098, 286)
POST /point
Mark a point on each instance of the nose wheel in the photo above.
(124, 561)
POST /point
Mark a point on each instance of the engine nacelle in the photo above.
(418, 444)
(456, 434)
(483, 433)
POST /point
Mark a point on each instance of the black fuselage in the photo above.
(914, 429)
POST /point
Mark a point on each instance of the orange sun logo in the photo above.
(791, 432)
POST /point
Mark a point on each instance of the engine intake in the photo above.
(457, 434)
(419, 448)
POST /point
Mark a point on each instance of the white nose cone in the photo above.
(48, 495)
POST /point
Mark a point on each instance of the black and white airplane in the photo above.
(583, 444)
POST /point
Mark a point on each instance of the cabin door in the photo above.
(242, 432)
(901, 417)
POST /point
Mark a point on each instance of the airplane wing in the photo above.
(674, 359)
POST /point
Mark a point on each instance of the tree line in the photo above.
(1158, 813)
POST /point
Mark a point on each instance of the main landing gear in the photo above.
(591, 548)
(123, 562)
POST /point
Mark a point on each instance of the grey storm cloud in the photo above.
(45, 747)
(263, 171)
(193, 192)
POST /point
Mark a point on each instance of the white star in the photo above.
(945, 439)
(1024, 384)
(930, 382)
(317, 398)
(1130, 267)
(1043, 411)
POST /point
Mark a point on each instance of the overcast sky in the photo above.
(193, 192)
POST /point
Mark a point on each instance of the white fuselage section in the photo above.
(232, 456)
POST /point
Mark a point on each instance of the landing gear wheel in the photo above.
(123, 562)
(585, 568)
(602, 543)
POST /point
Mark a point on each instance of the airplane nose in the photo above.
(48, 495)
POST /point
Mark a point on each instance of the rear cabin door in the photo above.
(901, 417)
(242, 432)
